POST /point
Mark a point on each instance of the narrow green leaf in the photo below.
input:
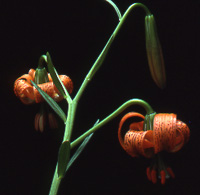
(63, 158)
(116, 9)
(80, 148)
(55, 77)
(51, 103)
(78, 151)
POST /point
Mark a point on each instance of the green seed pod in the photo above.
(154, 52)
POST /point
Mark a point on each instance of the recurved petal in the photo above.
(67, 83)
(47, 88)
(31, 72)
(26, 77)
(182, 135)
(184, 129)
(148, 140)
(24, 91)
(123, 120)
(164, 129)
(179, 142)
(170, 134)
(154, 52)
(139, 143)
(137, 126)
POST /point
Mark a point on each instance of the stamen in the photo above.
(153, 176)
(162, 174)
(148, 172)
(171, 173)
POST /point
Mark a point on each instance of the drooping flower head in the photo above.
(28, 94)
(167, 134)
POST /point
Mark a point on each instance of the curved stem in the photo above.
(116, 9)
(127, 13)
(140, 102)
(105, 50)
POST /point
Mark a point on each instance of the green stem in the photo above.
(70, 120)
(140, 102)
(105, 50)
(73, 103)
(69, 124)
(67, 135)
(55, 183)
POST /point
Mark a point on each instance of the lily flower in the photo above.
(28, 94)
(168, 134)
(136, 141)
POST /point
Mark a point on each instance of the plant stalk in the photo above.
(72, 104)
(140, 102)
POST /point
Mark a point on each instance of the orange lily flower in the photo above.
(28, 94)
(168, 134)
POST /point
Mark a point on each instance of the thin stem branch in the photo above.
(105, 50)
(140, 102)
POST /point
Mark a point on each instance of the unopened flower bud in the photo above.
(154, 52)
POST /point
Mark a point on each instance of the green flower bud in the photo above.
(154, 52)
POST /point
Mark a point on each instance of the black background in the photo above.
(74, 32)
